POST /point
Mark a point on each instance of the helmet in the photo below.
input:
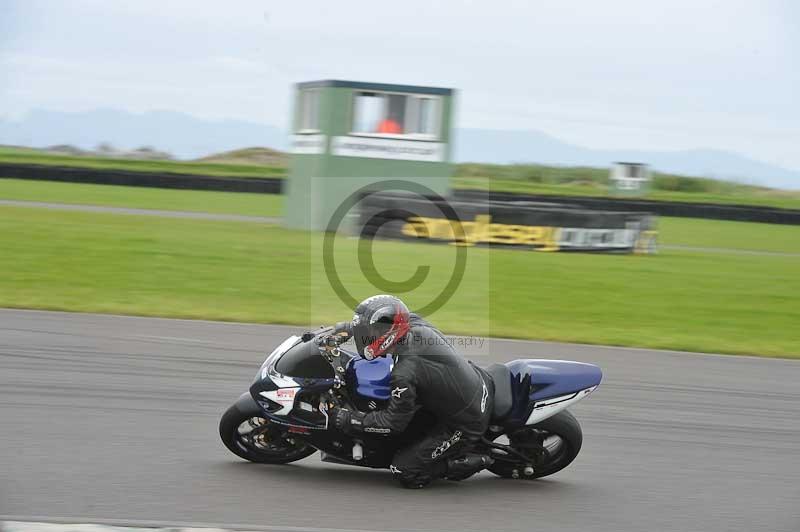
(379, 323)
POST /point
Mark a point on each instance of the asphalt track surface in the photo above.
(113, 418)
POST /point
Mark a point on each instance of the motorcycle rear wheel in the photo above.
(560, 435)
(249, 435)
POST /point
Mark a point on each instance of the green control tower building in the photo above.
(347, 135)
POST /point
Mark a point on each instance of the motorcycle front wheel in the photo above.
(248, 434)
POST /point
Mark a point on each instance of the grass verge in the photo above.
(734, 195)
(142, 198)
(722, 234)
(712, 302)
(673, 231)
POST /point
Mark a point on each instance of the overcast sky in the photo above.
(604, 74)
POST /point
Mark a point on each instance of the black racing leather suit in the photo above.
(429, 373)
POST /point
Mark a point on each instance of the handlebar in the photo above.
(343, 327)
(328, 339)
(328, 344)
(340, 334)
(330, 336)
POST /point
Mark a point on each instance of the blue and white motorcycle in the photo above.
(283, 418)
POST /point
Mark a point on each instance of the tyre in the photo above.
(560, 436)
(248, 434)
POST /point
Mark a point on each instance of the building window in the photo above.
(427, 116)
(367, 112)
(634, 170)
(308, 118)
(404, 115)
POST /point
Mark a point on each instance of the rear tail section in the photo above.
(542, 388)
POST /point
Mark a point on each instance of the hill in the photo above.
(255, 155)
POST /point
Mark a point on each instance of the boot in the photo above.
(467, 465)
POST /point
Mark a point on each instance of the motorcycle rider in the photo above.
(427, 373)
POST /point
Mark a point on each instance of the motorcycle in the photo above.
(284, 416)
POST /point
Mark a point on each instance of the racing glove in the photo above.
(349, 422)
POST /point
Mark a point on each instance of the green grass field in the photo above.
(142, 198)
(721, 234)
(740, 195)
(673, 231)
(715, 302)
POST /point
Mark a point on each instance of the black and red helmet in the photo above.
(379, 323)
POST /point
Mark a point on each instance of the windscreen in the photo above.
(304, 360)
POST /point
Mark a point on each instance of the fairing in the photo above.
(554, 378)
(542, 388)
(304, 361)
(372, 377)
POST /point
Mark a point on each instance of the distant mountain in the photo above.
(182, 135)
(188, 137)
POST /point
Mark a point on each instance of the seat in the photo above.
(503, 398)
